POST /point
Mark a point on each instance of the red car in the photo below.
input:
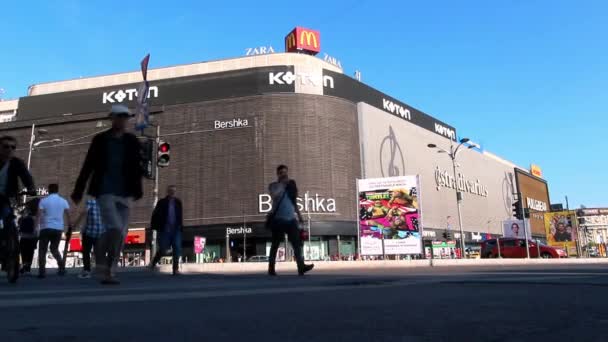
(516, 248)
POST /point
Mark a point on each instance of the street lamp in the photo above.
(453, 153)
(34, 143)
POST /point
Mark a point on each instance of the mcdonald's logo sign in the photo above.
(304, 40)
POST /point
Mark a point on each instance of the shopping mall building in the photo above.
(231, 122)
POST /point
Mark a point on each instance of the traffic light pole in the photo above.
(154, 232)
(523, 214)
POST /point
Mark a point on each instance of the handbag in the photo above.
(270, 215)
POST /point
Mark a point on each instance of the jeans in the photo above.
(52, 236)
(115, 217)
(27, 247)
(165, 240)
(279, 229)
(87, 245)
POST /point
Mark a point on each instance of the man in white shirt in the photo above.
(54, 212)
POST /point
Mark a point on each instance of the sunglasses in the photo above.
(12, 147)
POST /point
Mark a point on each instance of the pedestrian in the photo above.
(113, 166)
(90, 234)
(167, 220)
(283, 219)
(28, 232)
(53, 215)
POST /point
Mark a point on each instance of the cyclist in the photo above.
(12, 169)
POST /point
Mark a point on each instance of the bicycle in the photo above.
(9, 236)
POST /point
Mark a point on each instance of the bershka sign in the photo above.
(445, 131)
(396, 109)
(444, 179)
(308, 203)
(261, 50)
(536, 204)
(118, 96)
(304, 78)
(234, 123)
(238, 231)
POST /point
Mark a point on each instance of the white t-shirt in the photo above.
(52, 209)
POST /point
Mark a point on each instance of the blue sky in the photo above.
(527, 79)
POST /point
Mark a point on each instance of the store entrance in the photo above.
(242, 250)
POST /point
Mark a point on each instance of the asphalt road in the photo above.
(559, 303)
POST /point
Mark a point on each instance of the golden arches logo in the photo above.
(290, 40)
(309, 36)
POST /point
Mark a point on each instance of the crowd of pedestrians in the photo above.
(111, 176)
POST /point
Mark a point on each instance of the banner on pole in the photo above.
(515, 229)
(142, 112)
(389, 210)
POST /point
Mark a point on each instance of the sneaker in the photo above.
(176, 272)
(272, 273)
(110, 281)
(84, 275)
(307, 268)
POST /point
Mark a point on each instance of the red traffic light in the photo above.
(164, 147)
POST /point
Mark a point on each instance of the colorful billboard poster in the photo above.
(562, 230)
(199, 244)
(389, 211)
(515, 229)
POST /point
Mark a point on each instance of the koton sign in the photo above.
(118, 96)
(304, 78)
(396, 109)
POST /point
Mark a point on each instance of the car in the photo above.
(473, 252)
(258, 258)
(516, 248)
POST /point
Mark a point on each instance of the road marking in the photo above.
(29, 302)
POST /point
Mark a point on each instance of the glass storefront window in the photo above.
(316, 249)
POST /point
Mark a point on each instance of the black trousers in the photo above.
(279, 229)
(87, 246)
(52, 237)
(27, 247)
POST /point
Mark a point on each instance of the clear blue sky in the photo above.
(527, 79)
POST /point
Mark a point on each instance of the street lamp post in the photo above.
(453, 153)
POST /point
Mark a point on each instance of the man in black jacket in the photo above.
(168, 221)
(113, 165)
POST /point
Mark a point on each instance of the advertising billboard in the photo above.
(515, 229)
(562, 231)
(389, 216)
(301, 39)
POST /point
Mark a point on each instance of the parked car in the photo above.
(473, 252)
(516, 248)
(258, 258)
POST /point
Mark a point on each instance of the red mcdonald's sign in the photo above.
(305, 40)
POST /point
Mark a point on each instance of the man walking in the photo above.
(113, 165)
(282, 220)
(167, 220)
(90, 234)
(28, 232)
(53, 213)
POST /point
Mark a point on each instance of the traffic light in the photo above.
(517, 212)
(164, 151)
(445, 235)
(147, 155)
(449, 237)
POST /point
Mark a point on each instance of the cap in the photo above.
(119, 110)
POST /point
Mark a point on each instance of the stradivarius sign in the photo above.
(445, 179)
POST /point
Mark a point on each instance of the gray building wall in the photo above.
(385, 137)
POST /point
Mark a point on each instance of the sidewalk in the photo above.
(261, 267)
